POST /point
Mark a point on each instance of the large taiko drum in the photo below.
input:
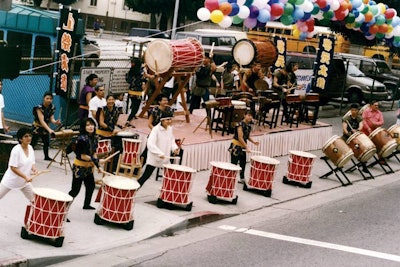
(47, 214)
(262, 172)
(5, 150)
(222, 181)
(162, 55)
(246, 52)
(118, 199)
(299, 166)
(337, 151)
(394, 131)
(363, 148)
(384, 142)
(177, 183)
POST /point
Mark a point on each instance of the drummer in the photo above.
(372, 117)
(250, 76)
(109, 115)
(280, 86)
(351, 122)
(238, 147)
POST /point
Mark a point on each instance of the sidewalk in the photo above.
(83, 237)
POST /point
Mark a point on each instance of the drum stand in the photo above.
(207, 118)
(383, 163)
(335, 171)
(362, 168)
(64, 157)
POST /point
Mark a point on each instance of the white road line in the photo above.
(310, 242)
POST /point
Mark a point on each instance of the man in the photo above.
(351, 122)
(3, 127)
(251, 76)
(372, 118)
(96, 103)
(135, 78)
(280, 86)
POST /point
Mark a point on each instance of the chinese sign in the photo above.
(281, 46)
(324, 58)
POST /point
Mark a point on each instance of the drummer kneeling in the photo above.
(351, 122)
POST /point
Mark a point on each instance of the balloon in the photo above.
(356, 3)
(225, 8)
(244, 12)
(288, 9)
(286, 20)
(329, 14)
(222, 1)
(350, 18)
(216, 16)
(368, 17)
(340, 15)
(373, 29)
(390, 13)
(260, 4)
(226, 22)
(383, 28)
(303, 36)
(263, 16)
(370, 37)
(298, 13)
(321, 3)
(335, 5)
(326, 8)
(315, 9)
(241, 2)
(299, 2)
(253, 12)
(250, 23)
(276, 10)
(306, 16)
(203, 14)
(296, 33)
(380, 19)
(235, 10)
(248, 3)
(211, 5)
(307, 7)
(236, 20)
(374, 10)
(232, 1)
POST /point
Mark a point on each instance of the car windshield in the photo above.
(383, 67)
(354, 71)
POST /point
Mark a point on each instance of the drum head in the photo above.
(225, 165)
(238, 103)
(244, 52)
(261, 85)
(266, 160)
(52, 194)
(302, 154)
(159, 56)
(179, 168)
(375, 132)
(125, 134)
(11, 142)
(329, 142)
(121, 182)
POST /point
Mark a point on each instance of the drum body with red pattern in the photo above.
(312, 97)
(222, 181)
(103, 147)
(384, 142)
(162, 55)
(293, 98)
(177, 183)
(245, 52)
(337, 151)
(118, 199)
(224, 101)
(300, 165)
(363, 148)
(262, 172)
(394, 131)
(48, 212)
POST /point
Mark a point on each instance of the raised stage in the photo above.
(200, 148)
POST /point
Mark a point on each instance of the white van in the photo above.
(221, 32)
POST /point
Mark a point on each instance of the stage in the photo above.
(200, 148)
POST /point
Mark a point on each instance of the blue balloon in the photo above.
(372, 3)
(260, 24)
(395, 21)
(264, 16)
(303, 36)
(371, 22)
(273, 2)
(364, 28)
(306, 16)
(326, 8)
(355, 12)
(253, 12)
(232, 1)
(298, 13)
(222, 1)
(235, 10)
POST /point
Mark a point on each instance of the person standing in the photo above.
(3, 127)
(97, 103)
(135, 79)
(280, 86)
(238, 147)
(351, 122)
(21, 166)
(160, 144)
(372, 118)
(86, 94)
(96, 27)
(101, 28)
(44, 115)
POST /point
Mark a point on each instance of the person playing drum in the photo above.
(86, 159)
(21, 166)
(372, 118)
(280, 86)
(351, 122)
(238, 147)
(291, 68)
(109, 115)
(251, 76)
(160, 144)
(97, 103)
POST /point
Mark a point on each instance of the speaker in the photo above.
(10, 62)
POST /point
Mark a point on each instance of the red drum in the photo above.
(262, 172)
(117, 139)
(222, 182)
(293, 98)
(224, 101)
(118, 199)
(46, 216)
(246, 52)
(385, 144)
(177, 184)
(299, 166)
(394, 131)
(312, 97)
(363, 148)
(103, 147)
(337, 151)
(162, 55)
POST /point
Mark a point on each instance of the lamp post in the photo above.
(176, 11)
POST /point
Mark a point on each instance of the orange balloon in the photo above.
(226, 8)
(373, 29)
(368, 16)
(383, 28)
(366, 1)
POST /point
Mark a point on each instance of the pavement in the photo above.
(84, 239)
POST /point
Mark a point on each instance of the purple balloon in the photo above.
(260, 24)
(250, 23)
(253, 12)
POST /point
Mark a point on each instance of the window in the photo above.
(93, 2)
(43, 51)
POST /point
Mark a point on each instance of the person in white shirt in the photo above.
(96, 103)
(21, 166)
(3, 127)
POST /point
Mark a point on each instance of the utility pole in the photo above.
(176, 11)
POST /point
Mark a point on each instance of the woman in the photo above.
(43, 116)
(109, 116)
(21, 166)
(86, 159)
(87, 94)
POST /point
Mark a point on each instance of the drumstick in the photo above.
(39, 173)
(111, 156)
(169, 157)
(255, 151)
(348, 123)
(212, 48)
(6, 136)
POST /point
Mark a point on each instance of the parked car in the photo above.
(149, 33)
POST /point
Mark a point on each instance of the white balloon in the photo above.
(203, 14)
(244, 12)
(241, 2)
(396, 30)
(335, 5)
(260, 4)
(389, 35)
(307, 6)
(226, 22)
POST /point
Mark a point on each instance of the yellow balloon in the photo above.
(216, 16)
(296, 33)
(390, 28)
(382, 7)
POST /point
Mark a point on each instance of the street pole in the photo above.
(176, 11)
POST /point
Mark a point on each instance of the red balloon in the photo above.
(383, 28)
(390, 13)
(368, 17)
(340, 15)
(276, 10)
(321, 3)
(211, 5)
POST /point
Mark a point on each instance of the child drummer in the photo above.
(351, 122)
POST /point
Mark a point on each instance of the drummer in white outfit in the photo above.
(20, 166)
(96, 103)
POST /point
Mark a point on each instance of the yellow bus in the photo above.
(381, 52)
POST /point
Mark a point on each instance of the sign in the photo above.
(104, 75)
(324, 58)
(118, 82)
(281, 47)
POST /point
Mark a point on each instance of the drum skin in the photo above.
(245, 52)
(363, 148)
(337, 151)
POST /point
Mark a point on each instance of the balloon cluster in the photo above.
(375, 20)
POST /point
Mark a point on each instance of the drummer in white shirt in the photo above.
(96, 103)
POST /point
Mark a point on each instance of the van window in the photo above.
(368, 67)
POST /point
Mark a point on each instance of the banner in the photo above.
(281, 47)
(65, 46)
(324, 58)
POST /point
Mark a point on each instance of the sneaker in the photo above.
(48, 158)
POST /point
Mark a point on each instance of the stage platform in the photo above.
(200, 148)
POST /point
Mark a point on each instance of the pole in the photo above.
(176, 11)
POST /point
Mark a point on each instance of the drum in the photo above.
(162, 55)
(261, 85)
(385, 144)
(299, 166)
(103, 133)
(68, 133)
(293, 98)
(48, 212)
(123, 134)
(222, 182)
(394, 131)
(262, 172)
(238, 114)
(103, 147)
(5, 150)
(224, 101)
(245, 52)
(363, 148)
(177, 184)
(117, 201)
(337, 151)
(312, 97)
(212, 104)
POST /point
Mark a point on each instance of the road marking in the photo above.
(315, 243)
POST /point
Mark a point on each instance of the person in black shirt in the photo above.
(351, 121)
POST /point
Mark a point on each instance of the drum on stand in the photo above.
(5, 150)
(262, 173)
(299, 167)
(123, 134)
(222, 182)
(394, 131)
(117, 201)
(245, 52)
(239, 111)
(337, 151)
(224, 101)
(363, 148)
(47, 215)
(385, 144)
(162, 55)
(177, 183)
